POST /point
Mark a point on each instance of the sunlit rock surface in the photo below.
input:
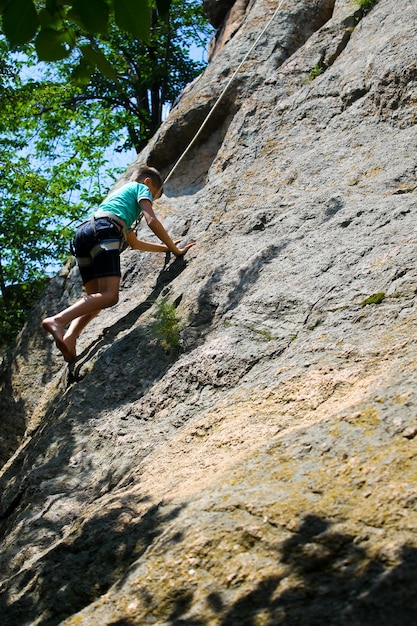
(265, 474)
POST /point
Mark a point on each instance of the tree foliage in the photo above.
(56, 26)
(60, 121)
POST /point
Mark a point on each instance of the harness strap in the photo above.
(92, 222)
(114, 219)
(106, 245)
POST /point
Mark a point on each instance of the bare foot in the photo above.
(57, 331)
(70, 342)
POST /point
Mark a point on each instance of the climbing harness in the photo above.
(106, 243)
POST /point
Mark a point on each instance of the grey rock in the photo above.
(265, 473)
(216, 10)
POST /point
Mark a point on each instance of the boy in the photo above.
(97, 245)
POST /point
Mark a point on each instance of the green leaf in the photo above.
(3, 4)
(93, 15)
(133, 16)
(46, 18)
(97, 58)
(54, 6)
(82, 72)
(51, 45)
(20, 21)
(163, 7)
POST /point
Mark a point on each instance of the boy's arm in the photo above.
(158, 229)
(145, 246)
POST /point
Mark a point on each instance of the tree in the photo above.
(50, 23)
(145, 76)
(35, 207)
(57, 120)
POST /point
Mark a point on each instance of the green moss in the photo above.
(315, 325)
(376, 298)
(258, 331)
(264, 333)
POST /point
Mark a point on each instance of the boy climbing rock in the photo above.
(97, 246)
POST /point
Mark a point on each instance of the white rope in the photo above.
(224, 91)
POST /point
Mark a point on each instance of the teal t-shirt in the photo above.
(124, 202)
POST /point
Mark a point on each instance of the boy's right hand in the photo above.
(185, 249)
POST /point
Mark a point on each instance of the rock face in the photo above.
(266, 473)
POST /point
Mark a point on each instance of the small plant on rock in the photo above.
(315, 71)
(167, 326)
(366, 5)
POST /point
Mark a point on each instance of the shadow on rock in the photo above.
(328, 580)
(166, 276)
(335, 583)
(83, 566)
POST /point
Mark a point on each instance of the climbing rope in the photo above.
(210, 113)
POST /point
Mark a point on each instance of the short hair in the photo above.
(145, 171)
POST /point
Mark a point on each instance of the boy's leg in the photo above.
(100, 272)
(79, 323)
(75, 328)
(101, 294)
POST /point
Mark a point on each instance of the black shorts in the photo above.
(96, 247)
